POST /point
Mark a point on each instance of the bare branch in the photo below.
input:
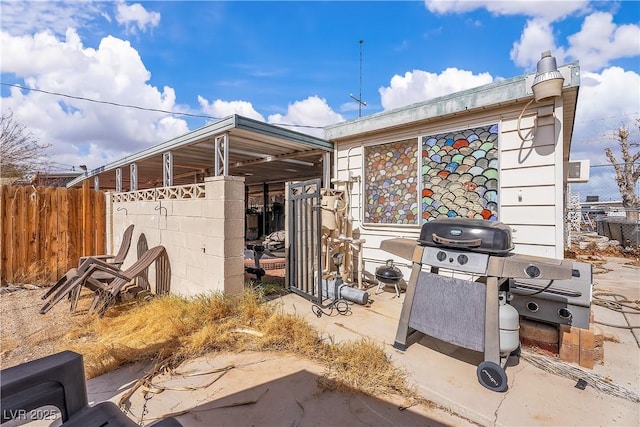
(627, 171)
(20, 153)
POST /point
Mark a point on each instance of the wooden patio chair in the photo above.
(141, 248)
(120, 256)
(106, 293)
(106, 277)
(86, 261)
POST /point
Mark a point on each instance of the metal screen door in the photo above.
(304, 256)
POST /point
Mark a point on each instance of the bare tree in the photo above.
(627, 171)
(20, 153)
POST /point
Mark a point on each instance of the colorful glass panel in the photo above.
(391, 183)
(460, 174)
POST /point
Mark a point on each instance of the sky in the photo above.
(102, 80)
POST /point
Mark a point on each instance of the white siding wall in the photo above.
(531, 189)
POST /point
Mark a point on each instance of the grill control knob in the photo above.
(463, 259)
(441, 256)
(532, 271)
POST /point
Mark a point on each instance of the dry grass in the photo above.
(363, 365)
(36, 272)
(7, 345)
(171, 329)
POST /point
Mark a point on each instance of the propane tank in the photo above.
(509, 321)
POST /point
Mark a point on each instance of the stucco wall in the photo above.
(530, 194)
(203, 236)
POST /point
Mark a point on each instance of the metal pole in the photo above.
(360, 94)
(359, 99)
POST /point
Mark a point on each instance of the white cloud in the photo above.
(220, 109)
(313, 111)
(169, 127)
(545, 9)
(606, 101)
(536, 38)
(136, 16)
(350, 106)
(32, 16)
(600, 40)
(419, 86)
(75, 128)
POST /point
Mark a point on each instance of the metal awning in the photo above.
(258, 151)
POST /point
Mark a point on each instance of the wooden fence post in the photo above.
(86, 218)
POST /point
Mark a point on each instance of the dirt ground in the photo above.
(25, 334)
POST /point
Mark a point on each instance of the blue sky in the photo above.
(296, 63)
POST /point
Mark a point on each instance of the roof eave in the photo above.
(498, 93)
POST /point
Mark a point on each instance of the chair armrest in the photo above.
(102, 266)
(89, 261)
(100, 257)
(56, 380)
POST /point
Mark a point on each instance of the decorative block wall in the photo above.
(200, 225)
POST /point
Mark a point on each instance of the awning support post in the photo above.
(167, 175)
(222, 155)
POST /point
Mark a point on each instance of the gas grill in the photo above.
(563, 302)
(468, 288)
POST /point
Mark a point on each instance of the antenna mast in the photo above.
(359, 99)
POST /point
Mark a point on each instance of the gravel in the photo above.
(25, 334)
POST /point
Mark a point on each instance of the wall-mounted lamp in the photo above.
(548, 81)
(546, 86)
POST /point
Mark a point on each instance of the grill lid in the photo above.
(388, 273)
(476, 235)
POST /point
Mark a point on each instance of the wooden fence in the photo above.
(45, 230)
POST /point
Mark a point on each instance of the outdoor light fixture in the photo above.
(546, 86)
(548, 81)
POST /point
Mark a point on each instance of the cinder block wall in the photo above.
(204, 237)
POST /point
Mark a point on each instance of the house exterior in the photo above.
(488, 152)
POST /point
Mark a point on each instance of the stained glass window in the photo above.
(391, 183)
(460, 174)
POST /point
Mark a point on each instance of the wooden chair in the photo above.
(106, 293)
(86, 261)
(120, 256)
(142, 247)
